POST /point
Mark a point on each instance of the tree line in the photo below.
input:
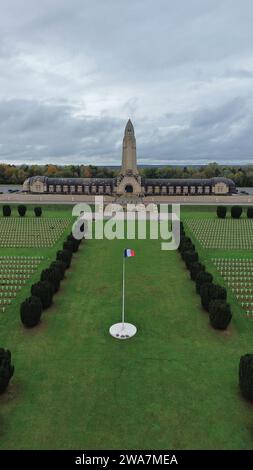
(13, 174)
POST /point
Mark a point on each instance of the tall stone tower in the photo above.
(129, 180)
(129, 151)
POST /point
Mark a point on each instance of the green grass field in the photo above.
(174, 385)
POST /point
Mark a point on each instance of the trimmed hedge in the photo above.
(190, 257)
(203, 277)
(182, 230)
(31, 311)
(60, 265)
(221, 212)
(38, 211)
(65, 256)
(6, 369)
(246, 376)
(219, 314)
(44, 290)
(6, 211)
(236, 212)
(209, 292)
(74, 241)
(195, 269)
(52, 275)
(68, 245)
(250, 212)
(185, 244)
(22, 210)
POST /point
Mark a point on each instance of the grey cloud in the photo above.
(72, 72)
(234, 110)
(35, 131)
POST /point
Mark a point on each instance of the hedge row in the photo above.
(246, 376)
(21, 210)
(214, 301)
(213, 296)
(41, 298)
(236, 212)
(6, 369)
(42, 292)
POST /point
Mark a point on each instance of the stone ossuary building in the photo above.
(128, 182)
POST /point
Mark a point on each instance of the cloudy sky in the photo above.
(73, 71)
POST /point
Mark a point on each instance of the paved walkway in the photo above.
(69, 199)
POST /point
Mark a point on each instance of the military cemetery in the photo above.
(55, 322)
(126, 233)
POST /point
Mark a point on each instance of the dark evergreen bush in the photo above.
(221, 212)
(6, 211)
(246, 376)
(185, 244)
(209, 292)
(6, 369)
(61, 266)
(182, 230)
(65, 256)
(75, 242)
(22, 210)
(31, 311)
(236, 212)
(68, 245)
(195, 269)
(44, 290)
(250, 212)
(38, 211)
(220, 314)
(52, 275)
(203, 278)
(190, 257)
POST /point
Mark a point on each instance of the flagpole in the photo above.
(123, 292)
(123, 330)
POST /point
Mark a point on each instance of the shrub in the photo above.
(6, 369)
(22, 210)
(236, 212)
(203, 278)
(44, 290)
(195, 269)
(65, 256)
(246, 376)
(205, 292)
(38, 211)
(6, 211)
(182, 230)
(52, 275)
(220, 314)
(209, 292)
(30, 311)
(74, 241)
(185, 244)
(250, 212)
(60, 265)
(68, 245)
(190, 257)
(221, 212)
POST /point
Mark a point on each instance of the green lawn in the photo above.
(174, 385)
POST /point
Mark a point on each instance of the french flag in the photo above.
(128, 252)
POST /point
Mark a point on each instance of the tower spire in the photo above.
(129, 165)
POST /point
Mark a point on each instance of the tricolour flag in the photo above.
(128, 252)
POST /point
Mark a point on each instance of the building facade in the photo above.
(129, 182)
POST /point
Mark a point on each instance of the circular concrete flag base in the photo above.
(123, 330)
